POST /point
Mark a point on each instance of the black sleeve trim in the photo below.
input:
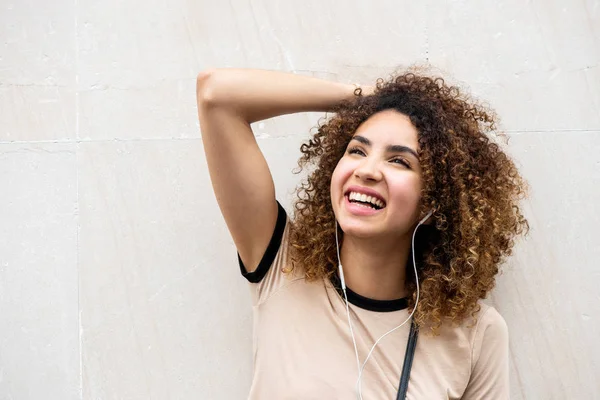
(272, 249)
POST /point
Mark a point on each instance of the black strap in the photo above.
(408, 360)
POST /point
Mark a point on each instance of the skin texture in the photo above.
(464, 176)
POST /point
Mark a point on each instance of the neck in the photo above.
(375, 268)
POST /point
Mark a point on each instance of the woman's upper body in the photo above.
(414, 145)
(303, 349)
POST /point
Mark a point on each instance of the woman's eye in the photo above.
(355, 150)
(401, 161)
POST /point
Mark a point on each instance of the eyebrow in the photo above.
(395, 148)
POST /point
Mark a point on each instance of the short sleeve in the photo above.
(269, 275)
(270, 253)
(489, 375)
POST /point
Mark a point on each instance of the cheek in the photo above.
(340, 175)
(405, 192)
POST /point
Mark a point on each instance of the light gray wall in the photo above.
(117, 276)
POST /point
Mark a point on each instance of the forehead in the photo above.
(389, 127)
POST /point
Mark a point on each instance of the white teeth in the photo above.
(365, 199)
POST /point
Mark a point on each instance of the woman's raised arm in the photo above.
(229, 100)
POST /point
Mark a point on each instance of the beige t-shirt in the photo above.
(303, 348)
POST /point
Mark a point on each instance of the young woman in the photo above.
(397, 234)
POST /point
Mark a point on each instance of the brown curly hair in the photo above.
(468, 180)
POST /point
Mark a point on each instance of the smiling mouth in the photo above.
(365, 200)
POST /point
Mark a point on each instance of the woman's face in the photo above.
(376, 185)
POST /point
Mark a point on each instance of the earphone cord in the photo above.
(343, 282)
(341, 272)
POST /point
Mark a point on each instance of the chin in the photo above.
(370, 229)
(360, 229)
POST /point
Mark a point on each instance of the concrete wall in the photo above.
(118, 279)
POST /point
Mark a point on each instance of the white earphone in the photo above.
(343, 283)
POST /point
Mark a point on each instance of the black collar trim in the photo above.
(367, 303)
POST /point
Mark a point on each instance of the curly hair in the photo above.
(468, 180)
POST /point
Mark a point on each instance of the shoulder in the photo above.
(486, 318)
(490, 322)
(483, 329)
(490, 334)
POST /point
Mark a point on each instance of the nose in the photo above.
(368, 170)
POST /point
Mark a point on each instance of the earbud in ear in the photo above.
(429, 214)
